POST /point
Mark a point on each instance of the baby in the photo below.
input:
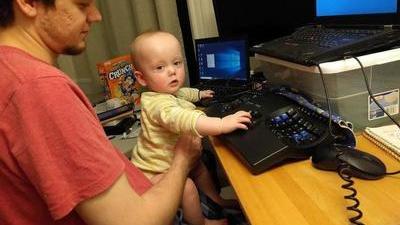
(167, 112)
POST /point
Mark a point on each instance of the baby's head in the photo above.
(158, 61)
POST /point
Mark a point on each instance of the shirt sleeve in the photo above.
(169, 114)
(63, 149)
(189, 94)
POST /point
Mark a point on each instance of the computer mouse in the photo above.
(361, 164)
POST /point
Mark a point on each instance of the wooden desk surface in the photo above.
(298, 194)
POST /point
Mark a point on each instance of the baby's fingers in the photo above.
(242, 126)
(243, 114)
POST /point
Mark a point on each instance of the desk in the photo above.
(297, 193)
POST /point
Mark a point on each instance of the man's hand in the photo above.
(206, 94)
(235, 121)
(188, 149)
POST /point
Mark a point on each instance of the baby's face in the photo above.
(162, 64)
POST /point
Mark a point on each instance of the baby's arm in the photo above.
(215, 126)
(193, 94)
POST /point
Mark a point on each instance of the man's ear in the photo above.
(28, 7)
(140, 78)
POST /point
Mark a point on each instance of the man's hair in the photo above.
(7, 11)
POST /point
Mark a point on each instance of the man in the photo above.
(56, 164)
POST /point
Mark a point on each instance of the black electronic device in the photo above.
(115, 112)
(343, 28)
(281, 130)
(261, 20)
(221, 94)
(222, 61)
(222, 66)
(121, 127)
(360, 164)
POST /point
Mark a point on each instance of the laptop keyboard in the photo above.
(325, 37)
(224, 91)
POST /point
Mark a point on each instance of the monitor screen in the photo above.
(354, 7)
(222, 59)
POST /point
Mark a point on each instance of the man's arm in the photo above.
(120, 205)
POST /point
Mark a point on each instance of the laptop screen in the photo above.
(354, 7)
(222, 59)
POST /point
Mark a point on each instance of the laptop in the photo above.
(343, 28)
(222, 62)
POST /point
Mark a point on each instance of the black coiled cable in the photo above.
(343, 168)
(344, 173)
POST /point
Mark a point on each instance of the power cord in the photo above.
(376, 102)
(343, 168)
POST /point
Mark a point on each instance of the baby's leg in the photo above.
(204, 182)
(191, 204)
(192, 212)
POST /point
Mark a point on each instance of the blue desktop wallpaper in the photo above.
(355, 7)
(222, 60)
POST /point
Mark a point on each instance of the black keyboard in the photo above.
(222, 93)
(325, 37)
(298, 126)
(259, 147)
(315, 45)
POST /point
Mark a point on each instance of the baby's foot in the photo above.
(230, 204)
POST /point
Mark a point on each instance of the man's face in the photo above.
(64, 27)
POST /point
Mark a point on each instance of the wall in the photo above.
(203, 23)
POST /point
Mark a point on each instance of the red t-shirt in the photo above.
(54, 152)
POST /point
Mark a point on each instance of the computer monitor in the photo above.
(222, 59)
(355, 7)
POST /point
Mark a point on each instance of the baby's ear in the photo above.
(140, 78)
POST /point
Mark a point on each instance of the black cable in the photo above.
(393, 173)
(343, 168)
(344, 173)
(376, 102)
(371, 94)
(327, 102)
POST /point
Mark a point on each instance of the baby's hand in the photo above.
(235, 121)
(206, 94)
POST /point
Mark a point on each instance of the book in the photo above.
(386, 137)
